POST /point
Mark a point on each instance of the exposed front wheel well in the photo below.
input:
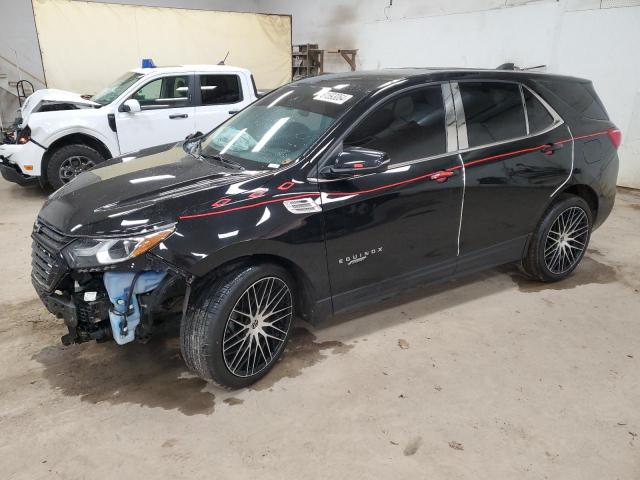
(304, 290)
(72, 139)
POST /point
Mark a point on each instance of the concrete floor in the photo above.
(490, 377)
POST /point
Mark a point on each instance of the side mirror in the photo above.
(191, 142)
(131, 106)
(356, 161)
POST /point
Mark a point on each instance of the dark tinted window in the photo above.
(580, 96)
(408, 127)
(494, 112)
(219, 89)
(166, 92)
(539, 116)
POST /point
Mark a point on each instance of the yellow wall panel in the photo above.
(86, 45)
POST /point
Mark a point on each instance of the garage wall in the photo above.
(590, 38)
(113, 39)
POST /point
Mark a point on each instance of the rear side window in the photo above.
(580, 96)
(408, 127)
(539, 116)
(220, 89)
(493, 111)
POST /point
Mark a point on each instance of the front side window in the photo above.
(493, 111)
(117, 88)
(220, 89)
(166, 92)
(278, 128)
(411, 126)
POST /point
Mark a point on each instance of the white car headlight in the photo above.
(92, 252)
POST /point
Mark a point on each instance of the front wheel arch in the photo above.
(71, 139)
(305, 293)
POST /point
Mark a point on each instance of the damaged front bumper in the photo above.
(102, 303)
(21, 164)
(85, 321)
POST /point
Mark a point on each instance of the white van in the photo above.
(60, 133)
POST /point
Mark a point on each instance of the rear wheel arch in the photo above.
(587, 193)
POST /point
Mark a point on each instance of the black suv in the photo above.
(327, 194)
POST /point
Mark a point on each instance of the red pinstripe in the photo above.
(391, 185)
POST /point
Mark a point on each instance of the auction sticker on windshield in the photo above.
(332, 97)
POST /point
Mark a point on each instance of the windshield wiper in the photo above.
(221, 159)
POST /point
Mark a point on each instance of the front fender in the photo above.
(47, 129)
(202, 245)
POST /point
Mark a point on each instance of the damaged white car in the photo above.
(59, 134)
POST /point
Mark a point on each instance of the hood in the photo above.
(51, 96)
(137, 191)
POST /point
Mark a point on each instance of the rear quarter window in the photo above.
(538, 115)
(580, 96)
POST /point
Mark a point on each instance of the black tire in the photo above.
(71, 159)
(43, 183)
(215, 319)
(552, 266)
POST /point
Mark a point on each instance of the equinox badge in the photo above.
(359, 257)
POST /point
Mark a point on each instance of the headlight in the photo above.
(23, 135)
(91, 252)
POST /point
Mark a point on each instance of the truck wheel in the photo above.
(69, 161)
(560, 240)
(239, 325)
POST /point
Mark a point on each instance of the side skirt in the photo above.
(353, 300)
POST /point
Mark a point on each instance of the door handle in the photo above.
(178, 115)
(233, 112)
(550, 148)
(441, 176)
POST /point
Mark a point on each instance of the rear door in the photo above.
(517, 153)
(167, 114)
(386, 231)
(218, 96)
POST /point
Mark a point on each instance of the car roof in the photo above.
(374, 80)
(190, 68)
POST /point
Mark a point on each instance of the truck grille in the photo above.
(47, 264)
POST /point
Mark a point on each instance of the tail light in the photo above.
(615, 135)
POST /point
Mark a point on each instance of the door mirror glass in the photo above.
(132, 106)
(356, 161)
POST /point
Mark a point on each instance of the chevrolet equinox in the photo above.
(325, 195)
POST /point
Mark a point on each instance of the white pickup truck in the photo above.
(59, 134)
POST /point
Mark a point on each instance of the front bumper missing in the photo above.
(75, 316)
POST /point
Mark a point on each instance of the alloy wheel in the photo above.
(74, 166)
(257, 327)
(566, 240)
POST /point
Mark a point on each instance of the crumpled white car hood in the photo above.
(52, 95)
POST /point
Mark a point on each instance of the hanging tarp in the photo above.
(86, 45)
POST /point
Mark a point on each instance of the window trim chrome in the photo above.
(557, 119)
(450, 121)
(524, 106)
(461, 119)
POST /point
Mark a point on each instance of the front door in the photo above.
(167, 114)
(519, 153)
(388, 231)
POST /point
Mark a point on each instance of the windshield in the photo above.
(278, 128)
(109, 94)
